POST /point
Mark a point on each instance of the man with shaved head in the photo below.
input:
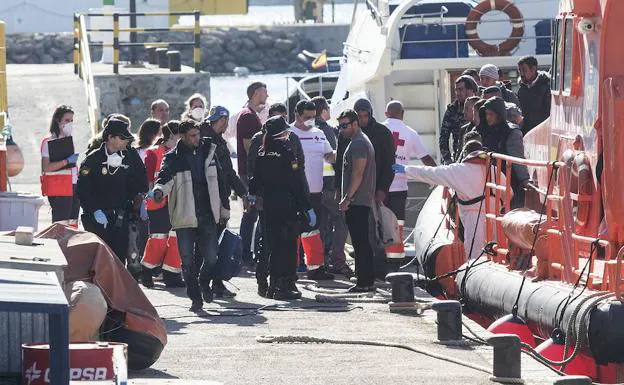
(409, 146)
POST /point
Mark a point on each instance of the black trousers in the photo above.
(116, 237)
(65, 208)
(358, 222)
(396, 202)
(262, 268)
(281, 245)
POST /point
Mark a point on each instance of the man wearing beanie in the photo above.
(465, 87)
(489, 77)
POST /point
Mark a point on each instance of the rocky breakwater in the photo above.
(261, 50)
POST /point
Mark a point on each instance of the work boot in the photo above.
(146, 279)
(207, 294)
(290, 283)
(273, 285)
(320, 274)
(220, 291)
(173, 280)
(361, 289)
(196, 305)
(263, 287)
(283, 292)
(344, 270)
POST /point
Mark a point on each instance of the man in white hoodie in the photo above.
(467, 179)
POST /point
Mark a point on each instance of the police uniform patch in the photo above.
(85, 171)
(104, 171)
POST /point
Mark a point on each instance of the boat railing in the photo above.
(82, 67)
(318, 76)
(374, 11)
(565, 257)
(459, 39)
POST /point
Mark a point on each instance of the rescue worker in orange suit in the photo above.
(277, 178)
(111, 184)
(213, 127)
(161, 250)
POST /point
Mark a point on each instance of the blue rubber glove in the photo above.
(100, 218)
(143, 212)
(398, 168)
(72, 159)
(252, 199)
(311, 217)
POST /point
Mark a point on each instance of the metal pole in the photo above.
(76, 43)
(3, 108)
(287, 100)
(196, 49)
(115, 43)
(333, 4)
(133, 35)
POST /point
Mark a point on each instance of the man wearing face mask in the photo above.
(111, 183)
(192, 178)
(316, 150)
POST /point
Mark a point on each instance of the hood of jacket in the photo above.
(364, 105)
(497, 105)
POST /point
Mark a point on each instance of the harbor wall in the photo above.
(271, 49)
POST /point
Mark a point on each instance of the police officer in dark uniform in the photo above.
(277, 178)
(111, 184)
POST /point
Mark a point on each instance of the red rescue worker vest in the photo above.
(159, 151)
(55, 183)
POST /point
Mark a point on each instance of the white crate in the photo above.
(17, 209)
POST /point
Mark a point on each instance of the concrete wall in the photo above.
(133, 94)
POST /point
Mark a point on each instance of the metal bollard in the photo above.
(402, 287)
(175, 61)
(507, 362)
(152, 58)
(449, 320)
(161, 54)
(573, 380)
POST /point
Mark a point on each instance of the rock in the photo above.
(284, 44)
(229, 66)
(258, 67)
(47, 59)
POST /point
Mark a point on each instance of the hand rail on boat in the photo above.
(561, 238)
(320, 76)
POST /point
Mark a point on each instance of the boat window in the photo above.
(567, 60)
(556, 57)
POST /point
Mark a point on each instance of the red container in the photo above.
(91, 361)
(313, 249)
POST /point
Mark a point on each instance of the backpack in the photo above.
(229, 262)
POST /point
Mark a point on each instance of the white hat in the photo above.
(490, 71)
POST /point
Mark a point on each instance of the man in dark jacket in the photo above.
(490, 76)
(193, 179)
(384, 145)
(453, 120)
(534, 93)
(505, 138)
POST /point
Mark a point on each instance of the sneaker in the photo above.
(207, 294)
(196, 306)
(290, 284)
(263, 287)
(173, 280)
(220, 291)
(320, 274)
(283, 292)
(344, 270)
(361, 289)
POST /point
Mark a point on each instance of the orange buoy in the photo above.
(582, 364)
(511, 324)
(15, 158)
(313, 249)
(474, 18)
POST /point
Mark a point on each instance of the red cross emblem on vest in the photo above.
(398, 141)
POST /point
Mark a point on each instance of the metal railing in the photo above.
(300, 84)
(116, 45)
(4, 106)
(82, 67)
(564, 245)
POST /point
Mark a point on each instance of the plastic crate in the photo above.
(18, 209)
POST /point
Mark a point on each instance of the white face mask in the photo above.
(114, 160)
(198, 113)
(309, 123)
(68, 128)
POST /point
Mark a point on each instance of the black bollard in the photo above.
(449, 320)
(573, 380)
(161, 54)
(402, 287)
(507, 362)
(151, 55)
(175, 61)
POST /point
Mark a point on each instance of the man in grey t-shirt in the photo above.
(358, 197)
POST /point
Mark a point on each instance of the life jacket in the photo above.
(160, 152)
(55, 183)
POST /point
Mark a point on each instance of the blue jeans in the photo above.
(247, 226)
(205, 237)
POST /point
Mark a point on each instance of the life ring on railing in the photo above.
(474, 18)
(581, 186)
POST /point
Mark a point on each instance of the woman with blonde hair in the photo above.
(196, 108)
